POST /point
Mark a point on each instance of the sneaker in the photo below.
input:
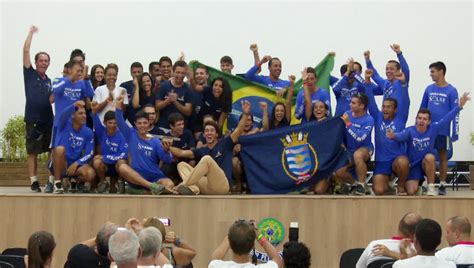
(431, 190)
(442, 189)
(73, 186)
(103, 187)
(358, 189)
(35, 187)
(58, 188)
(48, 188)
(185, 190)
(121, 187)
(342, 188)
(81, 188)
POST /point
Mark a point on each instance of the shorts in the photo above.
(383, 167)
(63, 174)
(38, 138)
(442, 143)
(54, 137)
(351, 153)
(416, 172)
(111, 170)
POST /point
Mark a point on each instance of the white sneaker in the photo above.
(432, 190)
(58, 188)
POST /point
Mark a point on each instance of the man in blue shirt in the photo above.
(113, 148)
(273, 80)
(198, 82)
(174, 96)
(213, 172)
(421, 141)
(347, 86)
(74, 147)
(359, 126)
(390, 156)
(440, 98)
(143, 173)
(38, 112)
(317, 94)
(392, 87)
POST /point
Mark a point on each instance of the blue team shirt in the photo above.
(394, 89)
(114, 147)
(79, 144)
(320, 95)
(67, 93)
(359, 133)
(420, 144)
(441, 100)
(344, 92)
(265, 80)
(221, 153)
(385, 148)
(184, 96)
(37, 91)
(144, 154)
(194, 120)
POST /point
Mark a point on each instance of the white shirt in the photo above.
(368, 257)
(423, 262)
(462, 253)
(102, 93)
(232, 264)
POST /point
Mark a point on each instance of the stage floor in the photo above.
(329, 224)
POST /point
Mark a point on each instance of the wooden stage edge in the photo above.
(329, 224)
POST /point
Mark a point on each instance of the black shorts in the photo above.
(38, 138)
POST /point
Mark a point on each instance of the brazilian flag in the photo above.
(243, 89)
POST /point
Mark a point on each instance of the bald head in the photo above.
(458, 229)
(408, 223)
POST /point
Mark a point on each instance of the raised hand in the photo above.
(400, 76)
(367, 55)
(304, 74)
(79, 104)
(465, 97)
(253, 47)
(281, 92)
(346, 119)
(332, 53)
(33, 29)
(135, 82)
(133, 224)
(94, 106)
(396, 48)
(170, 237)
(263, 105)
(292, 80)
(265, 59)
(182, 57)
(246, 107)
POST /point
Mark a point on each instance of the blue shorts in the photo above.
(416, 172)
(111, 170)
(384, 167)
(63, 174)
(442, 143)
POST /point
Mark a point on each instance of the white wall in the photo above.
(299, 33)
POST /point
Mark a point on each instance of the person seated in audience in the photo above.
(311, 92)
(174, 96)
(143, 93)
(359, 126)
(281, 112)
(113, 148)
(182, 139)
(213, 172)
(106, 96)
(427, 239)
(227, 64)
(241, 240)
(74, 148)
(92, 253)
(420, 140)
(389, 249)
(124, 248)
(296, 255)
(143, 174)
(217, 101)
(40, 250)
(458, 236)
(150, 246)
(390, 156)
(181, 253)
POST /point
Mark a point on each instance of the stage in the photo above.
(329, 224)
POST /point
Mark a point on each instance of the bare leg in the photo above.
(411, 186)
(401, 167)
(130, 175)
(322, 186)
(380, 185)
(429, 167)
(361, 156)
(32, 164)
(59, 162)
(237, 173)
(443, 165)
(99, 167)
(85, 173)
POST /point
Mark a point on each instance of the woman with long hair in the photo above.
(97, 76)
(281, 112)
(40, 250)
(143, 93)
(217, 101)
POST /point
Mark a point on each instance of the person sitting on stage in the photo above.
(389, 249)
(390, 156)
(143, 174)
(359, 126)
(74, 148)
(113, 148)
(421, 140)
(311, 93)
(213, 172)
(281, 112)
(458, 236)
(427, 238)
(241, 240)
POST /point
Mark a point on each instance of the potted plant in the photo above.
(13, 166)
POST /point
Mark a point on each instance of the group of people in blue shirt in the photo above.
(161, 135)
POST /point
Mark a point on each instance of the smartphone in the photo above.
(166, 222)
(294, 230)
